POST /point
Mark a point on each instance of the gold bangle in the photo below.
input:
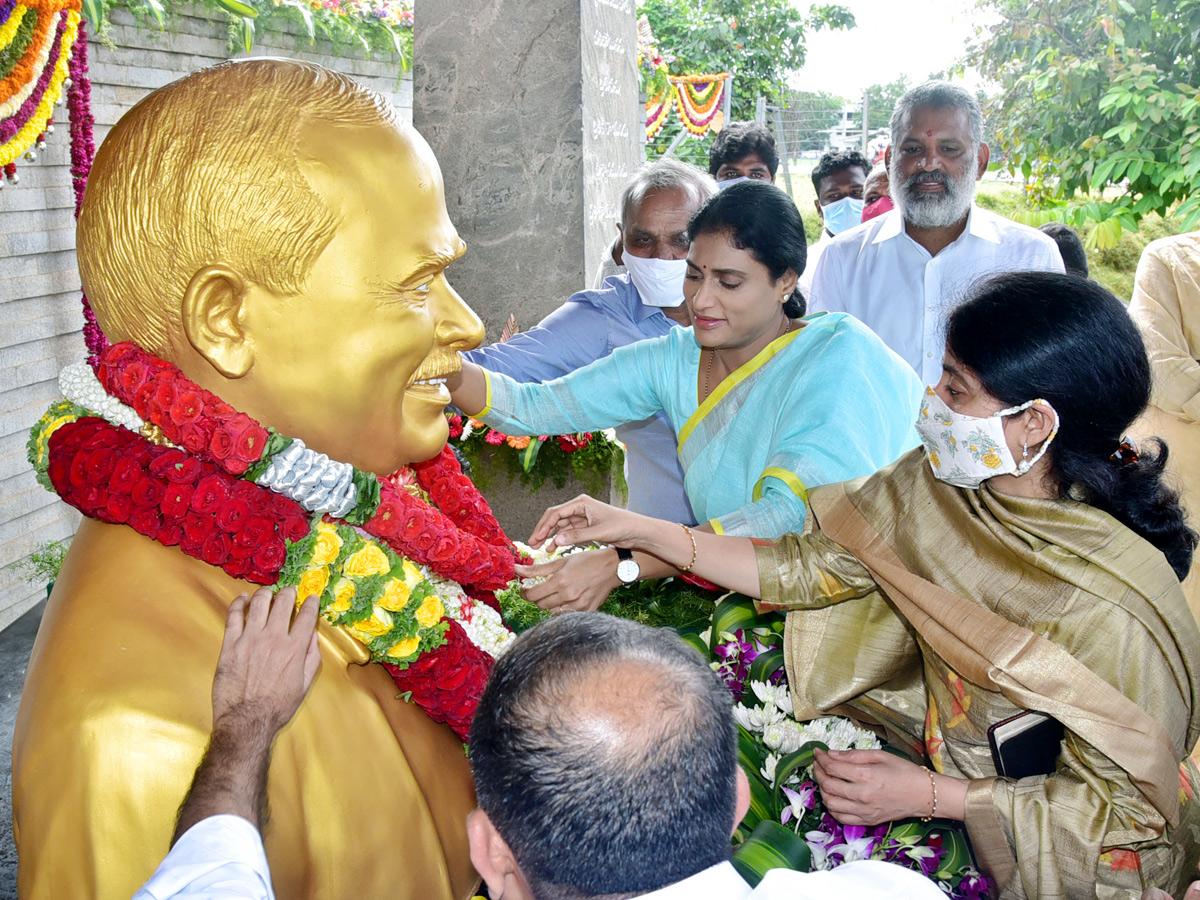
(932, 784)
(692, 537)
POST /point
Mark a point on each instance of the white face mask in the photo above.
(843, 214)
(965, 450)
(721, 185)
(659, 282)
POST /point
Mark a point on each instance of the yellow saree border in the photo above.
(487, 396)
(744, 371)
(789, 478)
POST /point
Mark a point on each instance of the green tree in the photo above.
(1099, 106)
(759, 42)
(881, 100)
(807, 118)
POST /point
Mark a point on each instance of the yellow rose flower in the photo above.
(343, 593)
(411, 573)
(328, 545)
(991, 460)
(380, 622)
(312, 583)
(406, 647)
(430, 611)
(370, 560)
(395, 595)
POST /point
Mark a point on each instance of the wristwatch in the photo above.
(627, 568)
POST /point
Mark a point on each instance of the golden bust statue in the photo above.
(270, 228)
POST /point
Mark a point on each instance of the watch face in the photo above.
(628, 570)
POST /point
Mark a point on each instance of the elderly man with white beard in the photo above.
(901, 272)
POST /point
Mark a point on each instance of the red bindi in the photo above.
(929, 133)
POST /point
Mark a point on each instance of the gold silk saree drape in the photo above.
(936, 612)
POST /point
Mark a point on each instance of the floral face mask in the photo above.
(965, 450)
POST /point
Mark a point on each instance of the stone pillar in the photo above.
(532, 109)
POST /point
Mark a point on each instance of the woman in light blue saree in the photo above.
(766, 404)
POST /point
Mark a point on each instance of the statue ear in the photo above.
(212, 319)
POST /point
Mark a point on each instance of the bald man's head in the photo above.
(605, 754)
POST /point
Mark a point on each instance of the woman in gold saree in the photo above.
(959, 587)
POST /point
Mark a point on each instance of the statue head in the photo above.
(268, 226)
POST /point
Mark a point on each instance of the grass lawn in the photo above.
(1113, 268)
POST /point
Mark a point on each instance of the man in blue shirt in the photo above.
(647, 302)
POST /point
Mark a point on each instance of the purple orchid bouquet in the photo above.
(788, 825)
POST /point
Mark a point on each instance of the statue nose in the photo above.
(457, 325)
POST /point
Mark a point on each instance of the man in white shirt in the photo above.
(605, 758)
(840, 180)
(901, 272)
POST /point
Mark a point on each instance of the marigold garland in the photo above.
(36, 42)
(698, 99)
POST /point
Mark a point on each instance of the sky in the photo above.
(910, 37)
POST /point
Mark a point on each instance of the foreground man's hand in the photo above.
(266, 666)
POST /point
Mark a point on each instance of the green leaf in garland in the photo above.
(240, 9)
(93, 10)
(771, 846)
(306, 16)
(399, 50)
(736, 613)
(245, 28)
(958, 852)
(765, 665)
(693, 639)
(801, 759)
(367, 486)
(155, 8)
(276, 443)
(530, 454)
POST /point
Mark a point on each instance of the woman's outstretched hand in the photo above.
(587, 520)
(579, 582)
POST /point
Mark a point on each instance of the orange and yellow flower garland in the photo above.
(36, 42)
(698, 99)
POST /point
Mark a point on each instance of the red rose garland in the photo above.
(118, 477)
(469, 548)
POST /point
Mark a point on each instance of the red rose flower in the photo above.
(415, 522)
(249, 438)
(238, 568)
(165, 460)
(193, 437)
(221, 445)
(389, 518)
(133, 376)
(444, 548)
(147, 492)
(92, 500)
(215, 549)
(270, 556)
(241, 552)
(250, 493)
(125, 474)
(165, 394)
(261, 577)
(59, 473)
(177, 500)
(177, 467)
(294, 528)
(99, 465)
(196, 528)
(118, 507)
(256, 531)
(187, 408)
(210, 494)
(425, 540)
(232, 514)
(78, 472)
(145, 521)
(170, 534)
